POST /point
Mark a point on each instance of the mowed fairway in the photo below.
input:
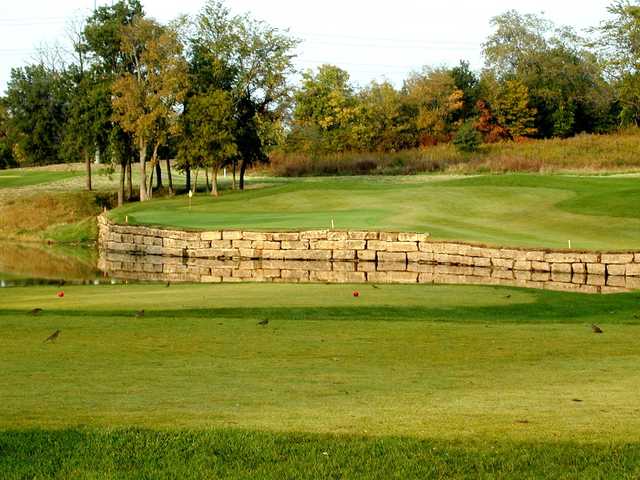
(512, 210)
(430, 362)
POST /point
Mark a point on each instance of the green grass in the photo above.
(405, 381)
(24, 177)
(134, 454)
(519, 210)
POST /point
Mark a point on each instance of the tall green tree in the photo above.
(147, 100)
(259, 60)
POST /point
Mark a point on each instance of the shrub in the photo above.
(467, 139)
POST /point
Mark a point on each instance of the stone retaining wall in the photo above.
(359, 246)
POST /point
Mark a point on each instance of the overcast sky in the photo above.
(371, 39)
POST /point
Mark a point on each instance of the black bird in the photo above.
(264, 322)
(140, 313)
(168, 284)
(52, 337)
(375, 286)
(596, 329)
(36, 311)
(508, 296)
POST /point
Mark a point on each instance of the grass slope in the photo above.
(526, 210)
(25, 177)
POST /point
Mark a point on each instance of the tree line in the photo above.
(215, 91)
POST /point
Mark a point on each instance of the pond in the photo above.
(32, 264)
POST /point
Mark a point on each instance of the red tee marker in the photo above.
(61, 294)
(356, 294)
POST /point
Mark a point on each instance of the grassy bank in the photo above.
(401, 382)
(527, 210)
(583, 153)
(133, 454)
(431, 362)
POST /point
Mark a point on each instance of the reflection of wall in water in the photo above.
(176, 269)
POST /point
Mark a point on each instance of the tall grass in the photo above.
(617, 152)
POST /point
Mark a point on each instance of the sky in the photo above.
(371, 39)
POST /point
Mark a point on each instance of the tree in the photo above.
(6, 146)
(565, 80)
(146, 101)
(512, 110)
(436, 101)
(467, 138)
(37, 101)
(209, 127)
(259, 59)
(618, 44)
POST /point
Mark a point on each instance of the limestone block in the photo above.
(211, 236)
(221, 244)
(633, 270)
(114, 237)
(255, 236)
(579, 268)
(337, 236)
(314, 235)
(426, 278)
(294, 244)
(481, 272)
(481, 262)
(249, 253)
(611, 290)
(402, 247)
(561, 277)
(288, 236)
(561, 268)
(232, 280)
(503, 273)
(344, 266)
(403, 277)
(637, 257)
(242, 273)
(580, 278)
(540, 276)
(378, 277)
(153, 250)
(231, 235)
(562, 287)
(562, 257)
(392, 267)
(590, 257)
(617, 258)
(540, 266)
(345, 254)
(616, 270)
(367, 255)
(596, 269)
(421, 267)
(306, 254)
(265, 245)
(241, 244)
(273, 254)
(522, 265)
(420, 257)
(502, 263)
(453, 270)
(598, 280)
(327, 245)
(465, 260)
(338, 277)
(363, 236)
(128, 238)
(412, 237)
(633, 282)
(616, 281)
(366, 267)
(388, 236)
(426, 247)
(536, 256)
(523, 275)
(509, 254)
(380, 246)
(392, 257)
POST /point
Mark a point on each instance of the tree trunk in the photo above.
(235, 184)
(195, 181)
(142, 145)
(87, 164)
(243, 169)
(214, 180)
(152, 164)
(129, 181)
(158, 175)
(206, 179)
(150, 186)
(187, 171)
(123, 168)
(170, 177)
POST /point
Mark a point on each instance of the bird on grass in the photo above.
(36, 311)
(168, 284)
(596, 329)
(375, 286)
(264, 322)
(140, 313)
(52, 337)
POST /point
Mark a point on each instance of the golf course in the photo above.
(284, 380)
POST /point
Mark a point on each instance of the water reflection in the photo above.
(176, 269)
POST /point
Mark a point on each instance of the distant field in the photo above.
(423, 381)
(527, 210)
(21, 177)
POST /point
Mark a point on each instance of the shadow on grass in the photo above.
(227, 453)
